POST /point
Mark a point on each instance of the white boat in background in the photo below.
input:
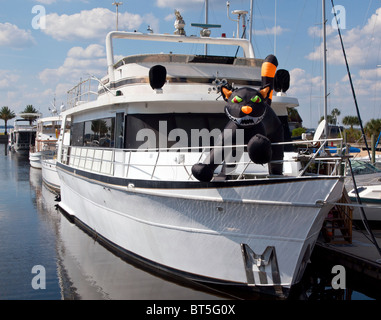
(371, 202)
(49, 172)
(368, 182)
(46, 139)
(250, 231)
(22, 136)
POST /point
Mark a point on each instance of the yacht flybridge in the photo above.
(22, 137)
(126, 153)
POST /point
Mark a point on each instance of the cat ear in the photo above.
(265, 92)
(226, 93)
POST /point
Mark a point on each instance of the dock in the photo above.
(359, 257)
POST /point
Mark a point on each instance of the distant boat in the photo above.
(22, 137)
(371, 201)
(368, 182)
(46, 139)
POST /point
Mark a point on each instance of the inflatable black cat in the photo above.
(250, 110)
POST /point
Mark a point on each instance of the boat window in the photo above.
(361, 167)
(158, 130)
(76, 135)
(100, 133)
(212, 59)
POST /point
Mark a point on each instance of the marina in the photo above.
(33, 233)
(192, 175)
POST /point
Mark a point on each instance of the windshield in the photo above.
(362, 167)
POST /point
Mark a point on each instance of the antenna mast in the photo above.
(117, 4)
(251, 21)
(206, 22)
(325, 69)
(241, 14)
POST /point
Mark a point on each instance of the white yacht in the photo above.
(125, 162)
(22, 137)
(46, 139)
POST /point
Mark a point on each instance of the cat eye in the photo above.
(256, 99)
(237, 99)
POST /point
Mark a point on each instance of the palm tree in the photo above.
(335, 113)
(28, 113)
(332, 118)
(351, 121)
(6, 114)
(373, 127)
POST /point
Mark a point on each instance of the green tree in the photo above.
(351, 121)
(6, 114)
(293, 115)
(297, 132)
(335, 113)
(332, 118)
(30, 113)
(373, 127)
(353, 135)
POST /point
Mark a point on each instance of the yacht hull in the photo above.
(49, 174)
(254, 234)
(35, 159)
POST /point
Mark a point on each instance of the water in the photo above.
(33, 233)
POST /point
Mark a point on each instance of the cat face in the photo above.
(246, 107)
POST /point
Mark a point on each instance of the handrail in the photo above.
(78, 156)
(80, 90)
(244, 43)
(176, 149)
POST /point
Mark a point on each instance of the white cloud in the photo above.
(78, 63)
(271, 31)
(309, 91)
(361, 44)
(13, 37)
(302, 83)
(7, 79)
(92, 51)
(316, 31)
(371, 74)
(89, 24)
(178, 4)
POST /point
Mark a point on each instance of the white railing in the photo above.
(84, 91)
(169, 164)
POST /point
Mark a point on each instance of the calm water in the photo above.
(33, 233)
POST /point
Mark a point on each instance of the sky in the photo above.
(47, 46)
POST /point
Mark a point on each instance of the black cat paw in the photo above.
(259, 149)
(202, 172)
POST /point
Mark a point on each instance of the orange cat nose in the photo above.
(246, 109)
